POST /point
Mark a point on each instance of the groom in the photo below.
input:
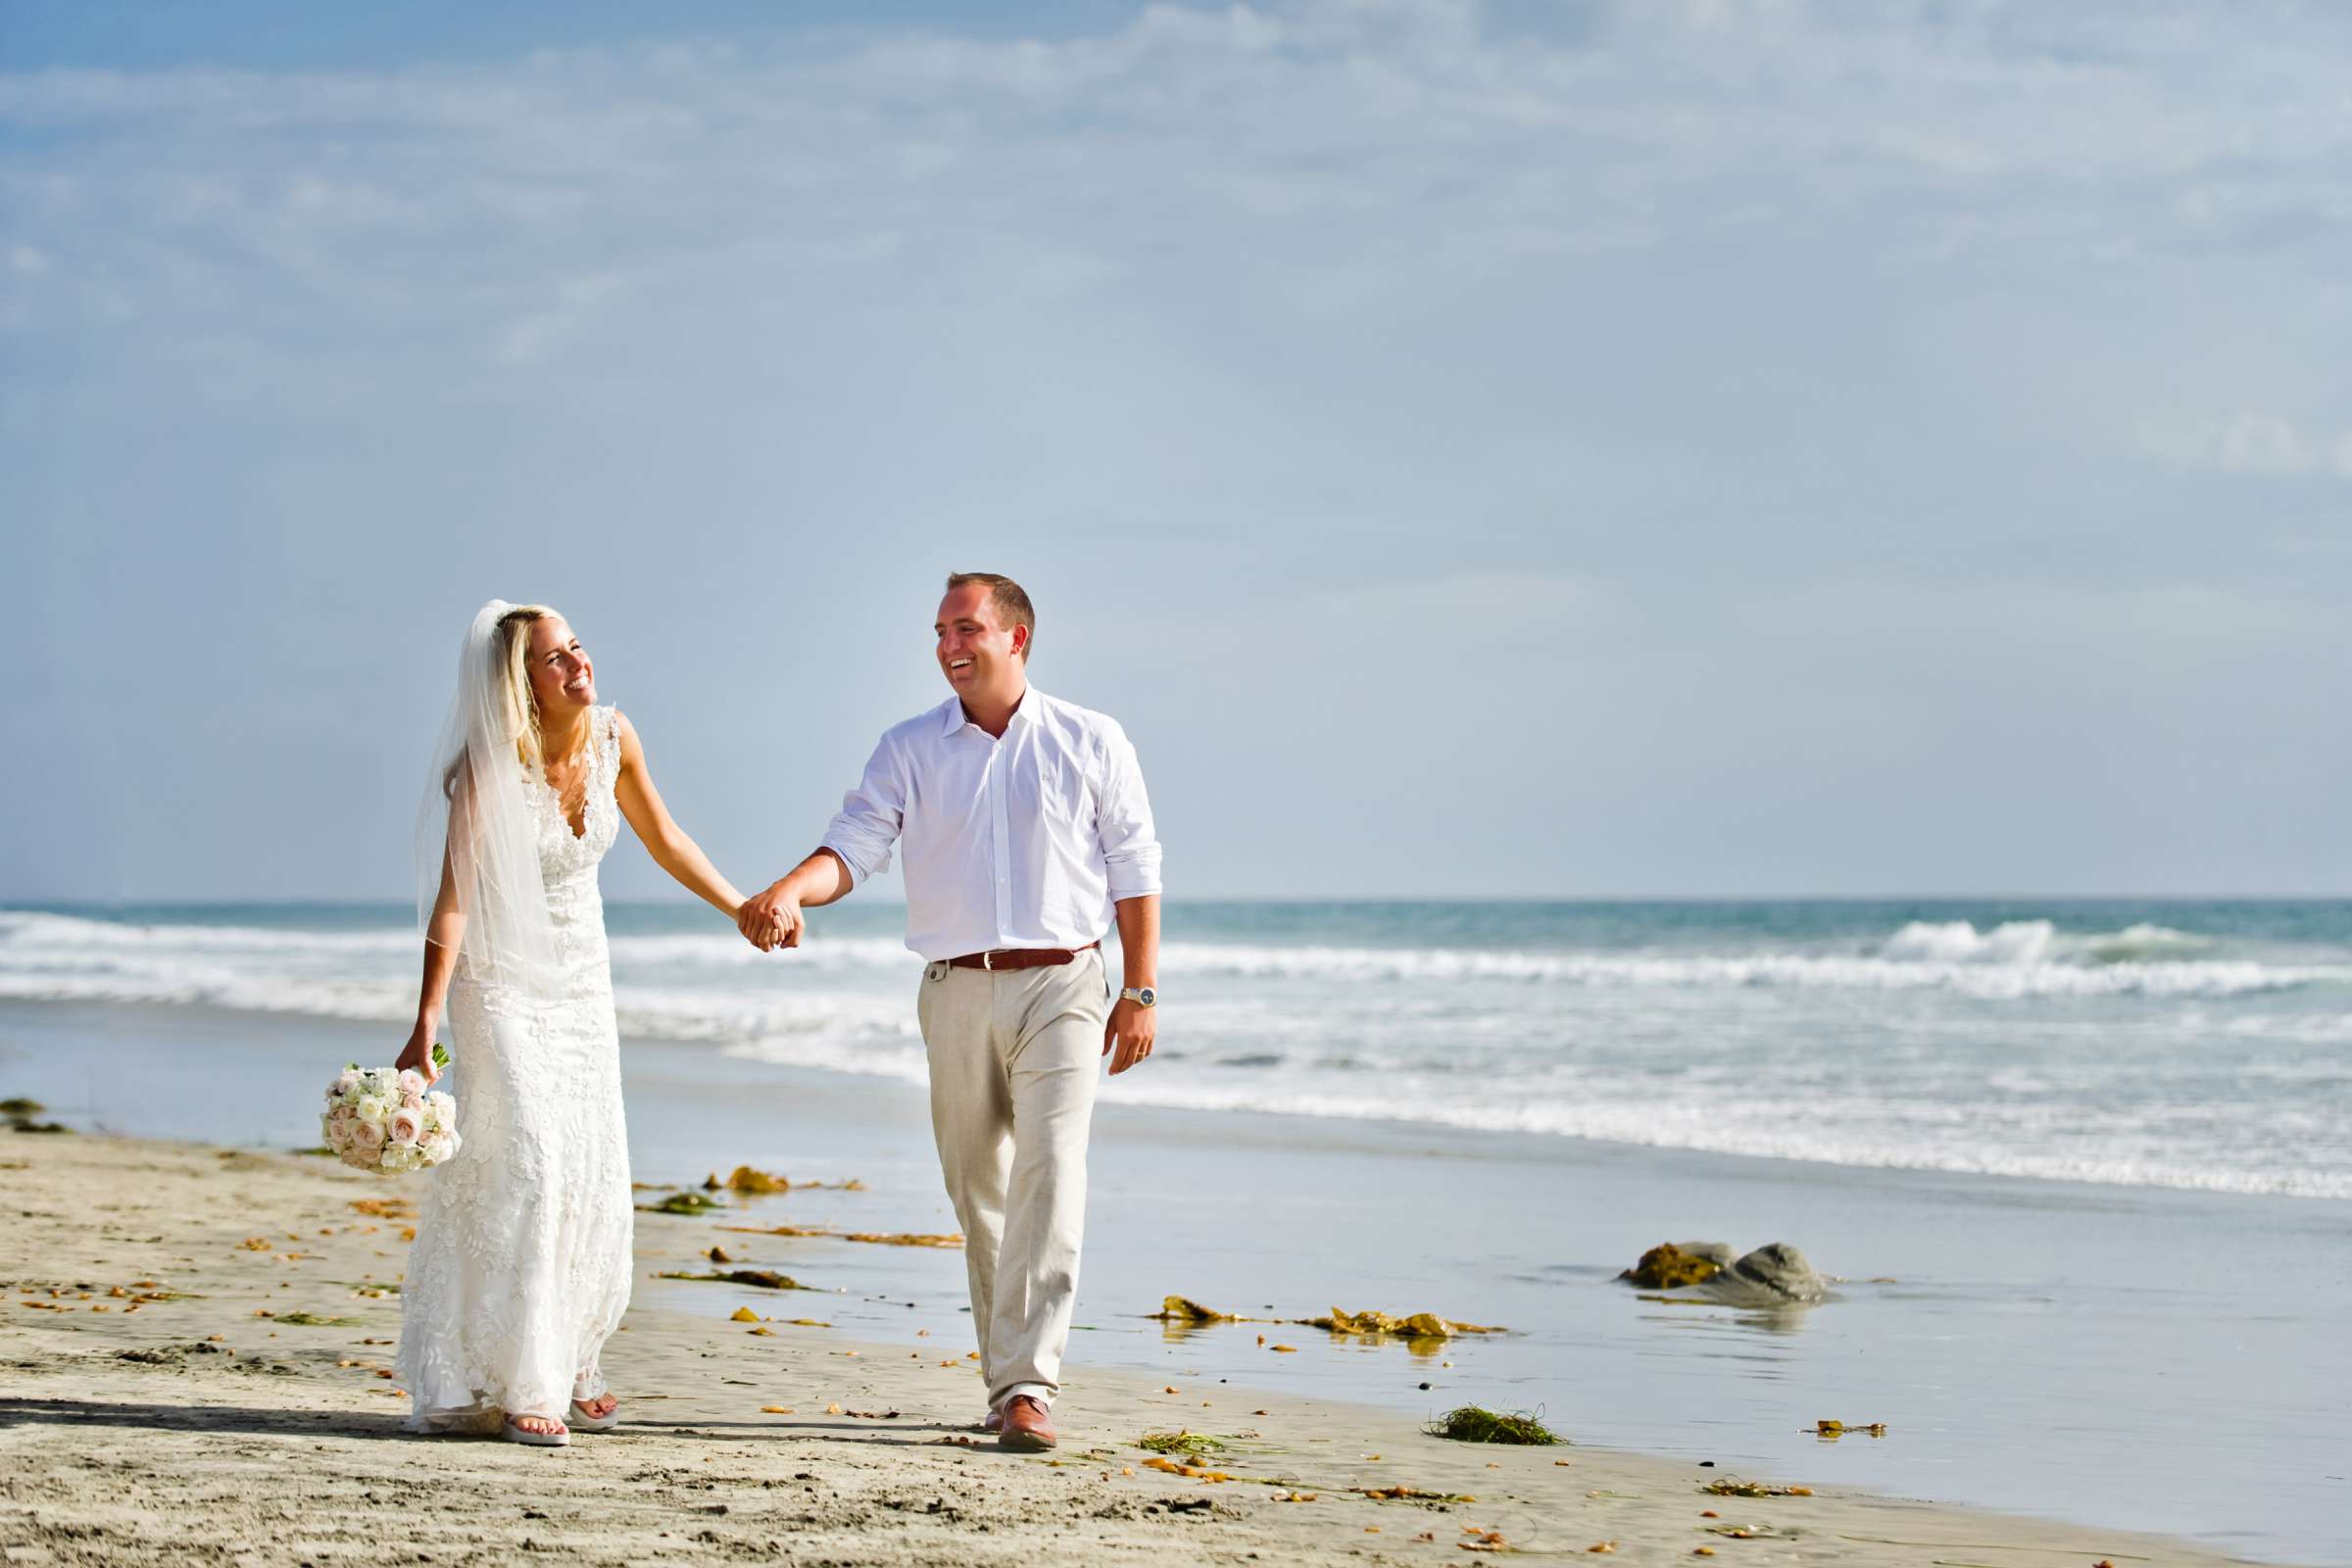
(1024, 826)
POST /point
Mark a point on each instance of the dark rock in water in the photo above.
(1668, 1266)
(1777, 1275)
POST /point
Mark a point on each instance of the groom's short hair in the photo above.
(1011, 599)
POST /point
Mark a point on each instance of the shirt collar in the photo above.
(953, 719)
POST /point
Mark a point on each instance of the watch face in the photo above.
(1146, 996)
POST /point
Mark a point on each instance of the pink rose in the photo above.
(407, 1122)
(366, 1139)
(411, 1083)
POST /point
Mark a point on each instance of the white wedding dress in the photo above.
(521, 1264)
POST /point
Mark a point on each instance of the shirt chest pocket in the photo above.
(1066, 797)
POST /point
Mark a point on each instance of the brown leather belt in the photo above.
(1019, 957)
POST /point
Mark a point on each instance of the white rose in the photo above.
(411, 1083)
(442, 1107)
(345, 1083)
(373, 1108)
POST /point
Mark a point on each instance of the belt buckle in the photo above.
(988, 960)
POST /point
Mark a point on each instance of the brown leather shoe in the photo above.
(1028, 1429)
(994, 1421)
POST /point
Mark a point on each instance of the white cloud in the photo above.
(2263, 443)
(2254, 443)
(578, 303)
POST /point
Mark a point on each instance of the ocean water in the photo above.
(2081, 1166)
(2199, 1045)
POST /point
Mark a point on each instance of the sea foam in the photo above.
(2136, 1052)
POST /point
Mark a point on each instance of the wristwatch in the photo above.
(1142, 996)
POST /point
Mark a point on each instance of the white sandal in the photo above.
(585, 1420)
(558, 1438)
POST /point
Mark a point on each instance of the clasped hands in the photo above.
(772, 920)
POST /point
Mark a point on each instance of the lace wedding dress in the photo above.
(521, 1264)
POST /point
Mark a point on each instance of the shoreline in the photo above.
(1276, 1127)
(2037, 1356)
(192, 1426)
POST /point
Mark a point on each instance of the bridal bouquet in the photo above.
(381, 1120)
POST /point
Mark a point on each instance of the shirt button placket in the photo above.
(1001, 836)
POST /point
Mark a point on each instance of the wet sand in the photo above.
(188, 1419)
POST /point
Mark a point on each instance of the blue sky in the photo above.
(1596, 449)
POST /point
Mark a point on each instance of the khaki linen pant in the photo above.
(1014, 1054)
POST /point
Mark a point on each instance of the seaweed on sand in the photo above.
(20, 1112)
(1729, 1488)
(682, 1204)
(893, 1239)
(765, 1279)
(1414, 1326)
(748, 1179)
(1184, 1310)
(1472, 1422)
(1180, 1443)
(1410, 1494)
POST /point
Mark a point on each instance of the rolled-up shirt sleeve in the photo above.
(1123, 823)
(867, 824)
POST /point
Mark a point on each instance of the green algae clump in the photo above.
(1472, 1422)
(682, 1204)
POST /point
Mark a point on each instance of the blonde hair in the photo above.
(519, 709)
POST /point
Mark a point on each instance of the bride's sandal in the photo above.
(558, 1438)
(584, 1419)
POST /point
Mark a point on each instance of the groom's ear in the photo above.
(1020, 639)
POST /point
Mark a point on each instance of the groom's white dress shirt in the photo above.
(1021, 842)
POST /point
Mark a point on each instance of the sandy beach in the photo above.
(169, 1399)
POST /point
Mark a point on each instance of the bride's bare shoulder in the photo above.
(632, 750)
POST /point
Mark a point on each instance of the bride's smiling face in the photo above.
(563, 676)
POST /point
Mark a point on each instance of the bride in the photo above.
(521, 1264)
